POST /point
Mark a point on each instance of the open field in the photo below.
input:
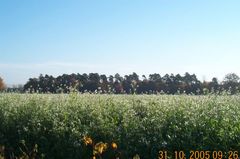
(138, 124)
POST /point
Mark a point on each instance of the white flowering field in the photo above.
(138, 124)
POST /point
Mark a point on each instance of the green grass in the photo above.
(139, 124)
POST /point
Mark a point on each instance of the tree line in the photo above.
(131, 84)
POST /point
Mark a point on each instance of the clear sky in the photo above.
(109, 36)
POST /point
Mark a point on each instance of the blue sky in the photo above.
(124, 36)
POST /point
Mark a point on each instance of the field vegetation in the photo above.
(116, 126)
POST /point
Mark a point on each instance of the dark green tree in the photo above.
(231, 82)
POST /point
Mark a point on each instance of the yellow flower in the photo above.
(87, 140)
(100, 147)
(114, 145)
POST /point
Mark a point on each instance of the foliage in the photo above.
(139, 124)
(2, 85)
(131, 84)
(25, 152)
(231, 82)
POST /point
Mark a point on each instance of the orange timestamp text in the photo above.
(199, 154)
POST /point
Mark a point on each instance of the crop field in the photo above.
(117, 126)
